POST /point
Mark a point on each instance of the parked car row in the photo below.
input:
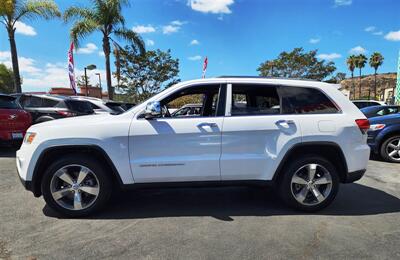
(19, 111)
(384, 131)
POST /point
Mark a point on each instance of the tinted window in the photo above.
(31, 101)
(299, 100)
(79, 106)
(46, 102)
(254, 100)
(8, 103)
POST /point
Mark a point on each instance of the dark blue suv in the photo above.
(384, 136)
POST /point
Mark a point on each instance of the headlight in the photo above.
(376, 127)
(29, 138)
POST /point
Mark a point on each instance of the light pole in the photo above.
(101, 91)
(89, 67)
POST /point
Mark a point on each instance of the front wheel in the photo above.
(309, 183)
(76, 186)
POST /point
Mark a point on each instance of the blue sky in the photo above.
(236, 35)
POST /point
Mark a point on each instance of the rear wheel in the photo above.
(390, 149)
(76, 186)
(309, 183)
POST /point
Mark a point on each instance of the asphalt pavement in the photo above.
(206, 223)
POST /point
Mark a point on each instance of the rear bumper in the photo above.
(354, 176)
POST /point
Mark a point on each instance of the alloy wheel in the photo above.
(393, 149)
(74, 187)
(311, 184)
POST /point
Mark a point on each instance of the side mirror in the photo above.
(153, 109)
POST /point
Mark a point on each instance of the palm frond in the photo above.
(75, 12)
(46, 9)
(81, 29)
(131, 37)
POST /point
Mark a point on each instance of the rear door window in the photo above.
(79, 106)
(253, 99)
(302, 100)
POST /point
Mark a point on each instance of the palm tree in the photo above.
(351, 64)
(375, 61)
(104, 16)
(361, 60)
(12, 11)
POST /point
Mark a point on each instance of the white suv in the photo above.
(304, 137)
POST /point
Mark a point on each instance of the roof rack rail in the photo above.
(262, 77)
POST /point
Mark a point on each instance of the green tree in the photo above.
(104, 16)
(13, 11)
(351, 65)
(145, 75)
(361, 60)
(297, 64)
(375, 61)
(6, 80)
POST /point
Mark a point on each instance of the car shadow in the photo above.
(8, 151)
(226, 203)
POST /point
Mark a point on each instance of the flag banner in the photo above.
(205, 67)
(397, 92)
(71, 67)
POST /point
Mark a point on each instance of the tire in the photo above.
(295, 185)
(391, 145)
(44, 119)
(63, 194)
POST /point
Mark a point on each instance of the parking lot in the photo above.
(212, 223)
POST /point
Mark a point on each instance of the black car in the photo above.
(380, 110)
(49, 107)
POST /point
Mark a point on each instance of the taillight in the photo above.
(363, 124)
(65, 113)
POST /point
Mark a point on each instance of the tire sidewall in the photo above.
(285, 184)
(84, 160)
(383, 153)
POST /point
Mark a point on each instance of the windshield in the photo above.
(8, 103)
(116, 107)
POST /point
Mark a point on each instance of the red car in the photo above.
(14, 121)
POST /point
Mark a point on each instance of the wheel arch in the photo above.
(389, 132)
(329, 150)
(51, 153)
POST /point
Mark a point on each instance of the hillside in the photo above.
(384, 81)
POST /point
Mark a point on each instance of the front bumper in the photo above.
(354, 176)
(27, 184)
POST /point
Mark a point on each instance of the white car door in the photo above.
(255, 133)
(186, 148)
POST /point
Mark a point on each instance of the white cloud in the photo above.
(370, 29)
(194, 58)
(343, 2)
(357, 50)
(314, 40)
(329, 56)
(150, 42)
(177, 23)
(90, 48)
(194, 42)
(143, 29)
(393, 36)
(211, 6)
(101, 54)
(168, 29)
(26, 65)
(377, 33)
(24, 29)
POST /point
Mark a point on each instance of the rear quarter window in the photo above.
(79, 106)
(8, 103)
(302, 100)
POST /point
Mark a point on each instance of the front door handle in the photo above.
(285, 122)
(207, 124)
